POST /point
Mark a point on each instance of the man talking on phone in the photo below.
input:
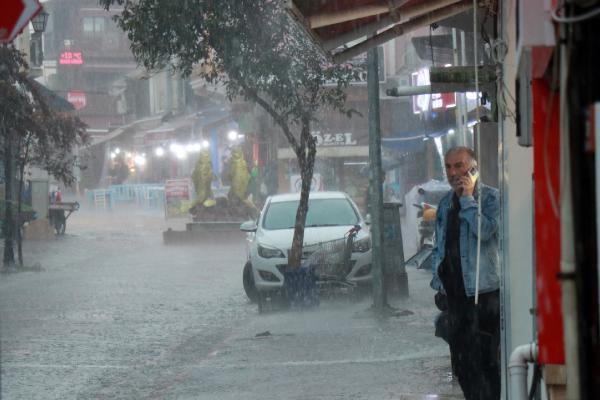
(473, 329)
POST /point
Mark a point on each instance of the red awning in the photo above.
(346, 28)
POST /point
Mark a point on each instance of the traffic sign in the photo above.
(14, 17)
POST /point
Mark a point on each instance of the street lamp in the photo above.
(39, 21)
(232, 135)
(39, 25)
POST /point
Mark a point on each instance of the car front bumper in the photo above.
(268, 272)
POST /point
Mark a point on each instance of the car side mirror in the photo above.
(248, 226)
(368, 219)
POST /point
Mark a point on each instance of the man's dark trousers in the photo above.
(474, 346)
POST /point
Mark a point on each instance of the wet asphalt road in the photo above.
(114, 312)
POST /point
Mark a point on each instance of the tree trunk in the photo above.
(306, 162)
(22, 162)
(8, 259)
(19, 209)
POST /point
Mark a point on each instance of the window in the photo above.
(93, 25)
(321, 212)
(158, 93)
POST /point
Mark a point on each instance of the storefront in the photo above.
(340, 161)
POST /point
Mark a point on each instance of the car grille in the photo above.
(282, 267)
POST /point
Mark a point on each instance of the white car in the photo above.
(330, 216)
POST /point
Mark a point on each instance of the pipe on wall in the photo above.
(517, 369)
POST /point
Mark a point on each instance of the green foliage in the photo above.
(251, 46)
(38, 135)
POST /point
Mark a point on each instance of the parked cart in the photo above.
(331, 261)
(58, 213)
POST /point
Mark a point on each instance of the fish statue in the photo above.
(239, 175)
(202, 178)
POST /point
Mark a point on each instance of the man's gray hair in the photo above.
(462, 149)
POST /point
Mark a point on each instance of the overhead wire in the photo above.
(498, 52)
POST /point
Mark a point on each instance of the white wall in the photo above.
(516, 166)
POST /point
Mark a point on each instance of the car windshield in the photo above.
(321, 212)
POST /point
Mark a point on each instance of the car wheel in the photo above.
(248, 280)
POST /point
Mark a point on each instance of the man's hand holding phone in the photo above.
(467, 182)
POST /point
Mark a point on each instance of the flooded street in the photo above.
(111, 309)
(115, 314)
(273, 200)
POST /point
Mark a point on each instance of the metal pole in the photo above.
(462, 98)
(402, 91)
(457, 109)
(375, 189)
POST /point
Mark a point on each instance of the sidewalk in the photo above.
(337, 351)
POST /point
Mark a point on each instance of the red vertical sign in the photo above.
(546, 156)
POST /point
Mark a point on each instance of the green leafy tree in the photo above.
(257, 52)
(31, 133)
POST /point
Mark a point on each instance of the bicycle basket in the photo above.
(328, 260)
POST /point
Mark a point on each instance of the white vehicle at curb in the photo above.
(330, 216)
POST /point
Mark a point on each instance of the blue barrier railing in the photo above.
(146, 195)
(101, 198)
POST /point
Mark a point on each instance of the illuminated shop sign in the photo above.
(71, 58)
(334, 139)
(77, 98)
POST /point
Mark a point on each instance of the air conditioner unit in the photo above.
(535, 46)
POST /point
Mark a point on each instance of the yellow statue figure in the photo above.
(202, 178)
(239, 175)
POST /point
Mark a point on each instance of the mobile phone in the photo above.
(473, 172)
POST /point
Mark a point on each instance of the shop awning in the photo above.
(54, 101)
(344, 29)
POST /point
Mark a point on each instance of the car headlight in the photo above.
(362, 245)
(268, 252)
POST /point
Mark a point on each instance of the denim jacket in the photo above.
(488, 264)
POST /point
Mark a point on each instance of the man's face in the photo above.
(457, 164)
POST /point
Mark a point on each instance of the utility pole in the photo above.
(375, 189)
(459, 133)
(462, 97)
